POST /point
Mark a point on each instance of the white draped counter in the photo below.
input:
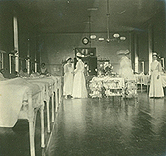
(164, 80)
(145, 79)
(13, 93)
(50, 86)
(21, 98)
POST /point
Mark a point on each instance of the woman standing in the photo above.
(126, 72)
(79, 83)
(68, 78)
(156, 89)
(125, 69)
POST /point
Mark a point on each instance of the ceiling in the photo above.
(70, 16)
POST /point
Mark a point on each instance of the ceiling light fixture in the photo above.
(90, 28)
(116, 35)
(108, 19)
(122, 38)
(92, 37)
(101, 39)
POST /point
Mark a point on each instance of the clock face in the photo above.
(85, 40)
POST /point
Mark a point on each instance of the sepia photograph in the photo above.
(82, 78)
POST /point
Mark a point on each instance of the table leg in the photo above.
(56, 98)
(48, 116)
(31, 125)
(31, 136)
(141, 87)
(42, 126)
(59, 95)
(52, 101)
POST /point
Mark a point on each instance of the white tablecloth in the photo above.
(145, 79)
(164, 80)
(12, 94)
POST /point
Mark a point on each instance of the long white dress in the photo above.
(68, 79)
(79, 83)
(126, 72)
(125, 69)
(156, 89)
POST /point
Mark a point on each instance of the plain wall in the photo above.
(57, 47)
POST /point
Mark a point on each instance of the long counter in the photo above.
(20, 98)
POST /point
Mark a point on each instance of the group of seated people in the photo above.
(4, 74)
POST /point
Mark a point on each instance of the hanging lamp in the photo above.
(108, 19)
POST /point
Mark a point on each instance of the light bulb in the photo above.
(116, 35)
(123, 38)
(101, 39)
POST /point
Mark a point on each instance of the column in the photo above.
(15, 24)
(35, 63)
(136, 53)
(2, 58)
(10, 63)
(143, 66)
(28, 59)
(35, 66)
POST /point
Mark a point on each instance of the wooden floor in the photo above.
(15, 141)
(93, 127)
(110, 127)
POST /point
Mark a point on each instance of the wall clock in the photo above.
(85, 40)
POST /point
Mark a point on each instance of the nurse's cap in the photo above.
(154, 54)
(79, 54)
(123, 52)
